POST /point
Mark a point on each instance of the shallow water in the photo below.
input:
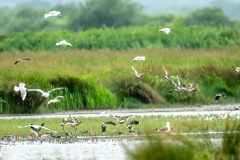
(184, 111)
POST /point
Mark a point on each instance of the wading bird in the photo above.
(52, 14)
(22, 90)
(22, 59)
(166, 128)
(137, 74)
(44, 94)
(54, 100)
(63, 43)
(73, 122)
(139, 58)
(129, 125)
(217, 96)
(165, 30)
(122, 119)
(104, 125)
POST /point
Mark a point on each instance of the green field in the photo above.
(103, 78)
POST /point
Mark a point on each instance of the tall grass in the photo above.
(124, 38)
(104, 79)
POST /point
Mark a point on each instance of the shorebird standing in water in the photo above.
(137, 74)
(167, 76)
(22, 90)
(104, 125)
(22, 59)
(122, 119)
(217, 96)
(166, 128)
(139, 58)
(44, 94)
(165, 30)
(237, 69)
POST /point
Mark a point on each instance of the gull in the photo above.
(52, 14)
(36, 127)
(22, 59)
(54, 100)
(167, 76)
(139, 58)
(63, 43)
(217, 96)
(166, 30)
(129, 125)
(137, 75)
(104, 125)
(237, 69)
(166, 128)
(44, 94)
(22, 90)
(122, 119)
(104, 113)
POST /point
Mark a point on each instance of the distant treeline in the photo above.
(123, 38)
(104, 13)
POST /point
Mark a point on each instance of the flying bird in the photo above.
(166, 128)
(192, 88)
(217, 96)
(73, 122)
(104, 125)
(22, 59)
(52, 14)
(104, 113)
(22, 90)
(54, 100)
(63, 43)
(224, 116)
(165, 30)
(139, 58)
(167, 76)
(129, 125)
(137, 74)
(237, 69)
(44, 94)
(36, 127)
(122, 119)
(179, 86)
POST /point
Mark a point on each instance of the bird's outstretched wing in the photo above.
(135, 71)
(166, 72)
(58, 97)
(54, 89)
(110, 122)
(74, 120)
(38, 90)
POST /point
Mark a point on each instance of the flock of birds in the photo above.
(73, 122)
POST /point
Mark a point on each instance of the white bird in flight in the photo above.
(44, 94)
(139, 58)
(166, 30)
(37, 127)
(63, 43)
(54, 100)
(137, 74)
(52, 14)
(104, 113)
(22, 90)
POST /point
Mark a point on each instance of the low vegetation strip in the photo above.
(124, 38)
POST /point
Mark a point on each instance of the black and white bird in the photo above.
(36, 128)
(165, 30)
(165, 128)
(122, 119)
(52, 14)
(63, 43)
(237, 69)
(137, 74)
(104, 125)
(129, 125)
(22, 90)
(217, 96)
(22, 59)
(167, 76)
(44, 94)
